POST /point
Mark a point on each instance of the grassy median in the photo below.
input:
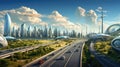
(21, 43)
(88, 60)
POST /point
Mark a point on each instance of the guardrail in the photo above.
(81, 54)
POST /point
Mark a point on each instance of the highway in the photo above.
(8, 52)
(105, 61)
(69, 56)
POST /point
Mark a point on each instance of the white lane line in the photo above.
(70, 56)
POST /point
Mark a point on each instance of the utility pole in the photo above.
(86, 29)
(100, 9)
(102, 20)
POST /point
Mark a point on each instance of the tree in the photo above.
(4, 63)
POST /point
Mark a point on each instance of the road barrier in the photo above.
(81, 54)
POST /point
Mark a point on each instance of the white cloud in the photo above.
(91, 17)
(86, 17)
(23, 15)
(59, 21)
(81, 11)
(57, 17)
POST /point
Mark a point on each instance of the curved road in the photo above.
(105, 61)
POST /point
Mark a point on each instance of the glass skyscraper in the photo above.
(7, 25)
(23, 30)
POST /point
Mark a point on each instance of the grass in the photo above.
(106, 49)
(88, 59)
(20, 43)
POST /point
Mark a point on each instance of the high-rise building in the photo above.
(13, 32)
(29, 33)
(7, 25)
(35, 32)
(23, 30)
(18, 32)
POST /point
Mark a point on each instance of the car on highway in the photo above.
(41, 61)
(69, 51)
(74, 45)
(62, 58)
(76, 50)
(52, 54)
(46, 58)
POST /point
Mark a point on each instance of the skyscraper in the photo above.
(13, 32)
(35, 32)
(29, 33)
(23, 30)
(7, 25)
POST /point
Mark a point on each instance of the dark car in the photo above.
(62, 58)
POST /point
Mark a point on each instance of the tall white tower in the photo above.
(7, 25)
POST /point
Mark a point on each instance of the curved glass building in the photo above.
(3, 41)
(7, 25)
(113, 30)
(116, 43)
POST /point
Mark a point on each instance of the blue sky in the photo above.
(67, 8)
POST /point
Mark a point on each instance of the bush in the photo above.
(4, 63)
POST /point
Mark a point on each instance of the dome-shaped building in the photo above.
(3, 41)
(116, 43)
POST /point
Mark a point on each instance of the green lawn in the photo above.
(106, 49)
(20, 43)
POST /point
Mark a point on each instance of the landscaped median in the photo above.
(20, 59)
(88, 60)
(22, 43)
(104, 47)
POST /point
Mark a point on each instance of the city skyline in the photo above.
(27, 32)
(73, 15)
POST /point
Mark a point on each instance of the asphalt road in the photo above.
(71, 56)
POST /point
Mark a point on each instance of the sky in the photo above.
(67, 14)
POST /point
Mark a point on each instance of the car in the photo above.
(62, 58)
(52, 54)
(69, 52)
(41, 61)
(76, 50)
(46, 58)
